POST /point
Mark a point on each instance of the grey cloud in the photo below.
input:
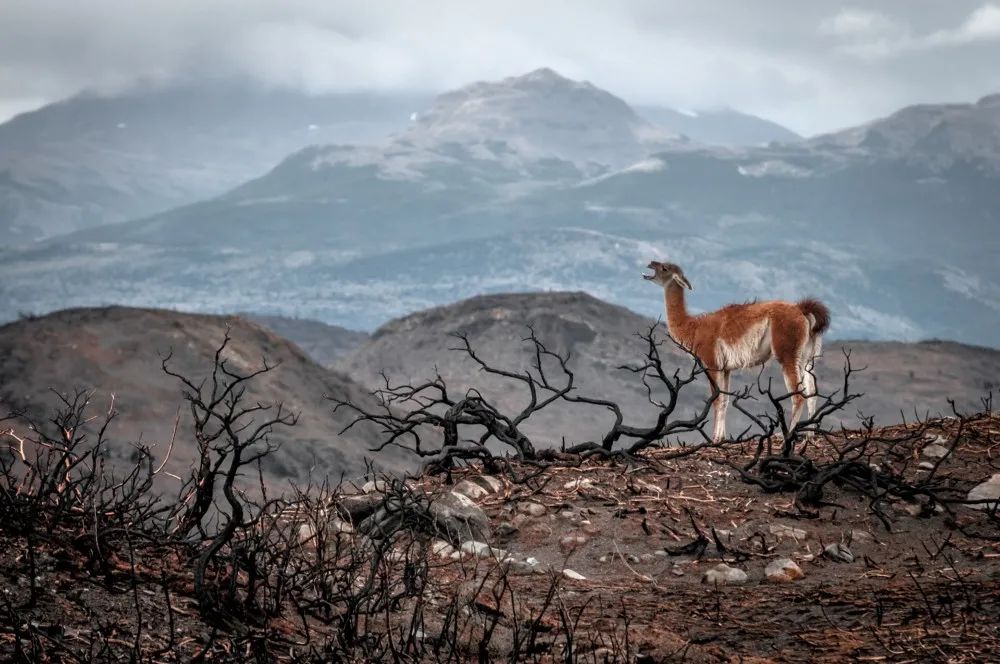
(812, 66)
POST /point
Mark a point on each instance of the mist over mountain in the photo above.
(539, 182)
(96, 159)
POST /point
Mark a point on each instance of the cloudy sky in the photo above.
(813, 66)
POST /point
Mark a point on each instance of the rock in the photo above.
(442, 549)
(358, 507)
(787, 531)
(576, 576)
(571, 542)
(926, 465)
(531, 561)
(632, 558)
(506, 529)
(677, 570)
(723, 574)
(660, 554)
(375, 486)
(488, 482)
(471, 490)
(988, 490)
(646, 557)
(482, 550)
(935, 451)
(783, 570)
(569, 515)
(459, 517)
(519, 567)
(580, 483)
(603, 559)
(838, 552)
(862, 536)
(531, 508)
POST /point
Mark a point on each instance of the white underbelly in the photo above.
(751, 350)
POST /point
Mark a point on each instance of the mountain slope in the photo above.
(719, 126)
(118, 351)
(95, 159)
(600, 338)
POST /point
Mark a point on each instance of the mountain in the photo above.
(485, 194)
(719, 126)
(117, 351)
(600, 337)
(95, 159)
(543, 114)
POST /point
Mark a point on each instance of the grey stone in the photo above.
(576, 576)
(935, 451)
(838, 553)
(459, 517)
(506, 529)
(531, 508)
(988, 490)
(482, 550)
(442, 549)
(570, 542)
(471, 490)
(488, 482)
(723, 574)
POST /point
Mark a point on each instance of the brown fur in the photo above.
(740, 336)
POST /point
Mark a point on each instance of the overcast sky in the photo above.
(813, 66)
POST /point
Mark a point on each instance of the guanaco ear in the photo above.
(682, 280)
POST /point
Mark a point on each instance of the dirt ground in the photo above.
(923, 583)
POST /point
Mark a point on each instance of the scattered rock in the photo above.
(506, 529)
(568, 514)
(570, 542)
(488, 482)
(442, 549)
(358, 507)
(660, 554)
(782, 530)
(988, 490)
(531, 561)
(723, 574)
(838, 552)
(471, 490)
(580, 483)
(519, 567)
(862, 536)
(935, 451)
(576, 576)
(783, 570)
(677, 570)
(632, 558)
(482, 550)
(531, 508)
(459, 517)
(926, 465)
(375, 486)
(646, 557)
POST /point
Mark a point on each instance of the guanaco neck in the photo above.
(677, 314)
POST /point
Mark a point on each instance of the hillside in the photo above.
(101, 158)
(600, 337)
(325, 344)
(118, 351)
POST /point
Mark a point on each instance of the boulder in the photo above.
(531, 508)
(457, 516)
(482, 550)
(935, 451)
(838, 552)
(988, 490)
(488, 482)
(723, 574)
(471, 490)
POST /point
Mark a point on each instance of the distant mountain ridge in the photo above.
(485, 194)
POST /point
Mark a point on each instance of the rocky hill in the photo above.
(600, 337)
(117, 351)
(325, 344)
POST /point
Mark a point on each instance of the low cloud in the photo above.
(792, 61)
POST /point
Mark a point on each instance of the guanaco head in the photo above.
(667, 273)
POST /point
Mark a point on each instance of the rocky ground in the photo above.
(656, 559)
